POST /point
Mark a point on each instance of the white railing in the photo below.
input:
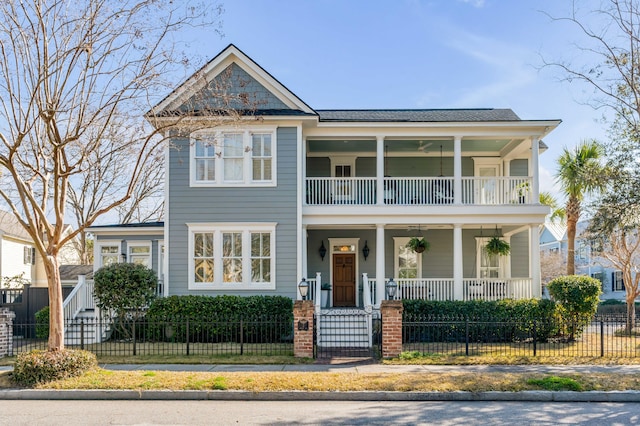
(425, 288)
(497, 288)
(338, 191)
(76, 300)
(496, 190)
(431, 191)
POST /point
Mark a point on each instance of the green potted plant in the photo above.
(499, 247)
(523, 191)
(325, 290)
(418, 244)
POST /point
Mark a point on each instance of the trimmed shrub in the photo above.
(217, 319)
(491, 321)
(124, 289)
(42, 323)
(39, 366)
(578, 297)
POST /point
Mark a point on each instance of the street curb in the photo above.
(167, 395)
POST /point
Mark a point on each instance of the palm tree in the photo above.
(579, 173)
(557, 212)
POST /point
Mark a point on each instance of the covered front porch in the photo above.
(347, 267)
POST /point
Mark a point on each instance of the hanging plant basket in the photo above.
(499, 247)
(418, 244)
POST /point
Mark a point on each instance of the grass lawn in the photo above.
(311, 381)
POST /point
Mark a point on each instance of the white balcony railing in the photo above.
(429, 191)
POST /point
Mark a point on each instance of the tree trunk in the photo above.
(631, 315)
(571, 246)
(56, 314)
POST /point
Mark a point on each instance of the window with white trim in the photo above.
(617, 282)
(140, 254)
(109, 254)
(232, 256)
(233, 157)
(407, 263)
(489, 266)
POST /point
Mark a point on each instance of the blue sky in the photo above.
(418, 54)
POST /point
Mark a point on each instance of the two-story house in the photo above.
(333, 196)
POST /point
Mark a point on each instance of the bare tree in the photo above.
(552, 265)
(75, 79)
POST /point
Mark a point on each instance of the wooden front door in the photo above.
(344, 280)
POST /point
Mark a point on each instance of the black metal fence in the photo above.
(603, 336)
(179, 337)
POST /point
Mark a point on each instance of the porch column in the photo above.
(380, 170)
(534, 261)
(457, 170)
(535, 170)
(380, 272)
(458, 290)
(305, 251)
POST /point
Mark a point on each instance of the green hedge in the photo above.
(42, 323)
(490, 321)
(217, 319)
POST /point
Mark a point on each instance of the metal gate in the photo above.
(347, 333)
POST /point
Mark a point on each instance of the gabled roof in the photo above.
(9, 225)
(556, 229)
(418, 115)
(232, 55)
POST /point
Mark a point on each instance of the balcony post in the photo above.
(457, 170)
(380, 272)
(380, 170)
(535, 170)
(534, 239)
(458, 288)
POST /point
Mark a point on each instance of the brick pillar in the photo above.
(303, 318)
(391, 311)
(6, 332)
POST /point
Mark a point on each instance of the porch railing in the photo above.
(77, 300)
(425, 288)
(497, 288)
(431, 191)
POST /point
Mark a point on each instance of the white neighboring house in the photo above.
(17, 251)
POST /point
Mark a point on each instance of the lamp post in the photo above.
(391, 288)
(303, 288)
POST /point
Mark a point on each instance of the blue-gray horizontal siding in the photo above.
(519, 168)
(235, 204)
(436, 263)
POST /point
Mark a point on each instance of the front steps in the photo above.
(84, 329)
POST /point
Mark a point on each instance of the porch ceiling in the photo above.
(405, 146)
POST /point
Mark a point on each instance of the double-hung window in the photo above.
(407, 263)
(109, 253)
(140, 254)
(233, 157)
(617, 282)
(232, 256)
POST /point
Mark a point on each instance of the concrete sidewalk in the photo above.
(350, 367)
(363, 367)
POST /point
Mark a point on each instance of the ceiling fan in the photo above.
(422, 146)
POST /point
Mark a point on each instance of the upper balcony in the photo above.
(418, 191)
(387, 172)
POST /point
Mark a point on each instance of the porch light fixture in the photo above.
(365, 250)
(391, 288)
(323, 251)
(303, 288)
